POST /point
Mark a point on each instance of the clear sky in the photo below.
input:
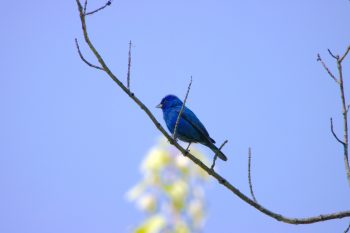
(71, 141)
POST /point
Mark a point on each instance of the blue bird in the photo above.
(189, 128)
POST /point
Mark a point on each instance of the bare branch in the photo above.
(347, 229)
(129, 65)
(249, 176)
(108, 3)
(345, 54)
(345, 116)
(326, 68)
(82, 57)
(215, 175)
(336, 57)
(97, 55)
(336, 137)
(217, 154)
(85, 5)
(182, 109)
(345, 107)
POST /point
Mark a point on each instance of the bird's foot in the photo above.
(188, 147)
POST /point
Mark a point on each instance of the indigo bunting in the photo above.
(189, 128)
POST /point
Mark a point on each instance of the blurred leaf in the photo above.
(171, 191)
(181, 227)
(196, 211)
(178, 190)
(135, 191)
(152, 225)
(155, 160)
(148, 203)
(183, 164)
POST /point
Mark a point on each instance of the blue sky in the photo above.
(72, 142)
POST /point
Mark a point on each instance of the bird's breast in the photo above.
(170, 118)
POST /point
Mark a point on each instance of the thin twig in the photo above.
(249, 176)
(326, 68)
(108, 3)
(336, 57)
(215, 175)
(85, 5)
(182, 109)
(334, 134)
(347, 229)
(129, 65)
(345, 54)
(217, 153)
(82, 57)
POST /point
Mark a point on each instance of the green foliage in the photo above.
(171, 192)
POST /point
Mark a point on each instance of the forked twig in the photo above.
(345, 107)
(326, 68)
(108, 3)
(82, 57)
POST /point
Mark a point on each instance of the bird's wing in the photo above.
(188, 116)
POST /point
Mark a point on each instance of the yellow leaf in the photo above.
(152, 225)
(156, 159)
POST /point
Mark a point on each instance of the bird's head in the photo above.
(169, 101)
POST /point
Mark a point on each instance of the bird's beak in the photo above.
(159, 106)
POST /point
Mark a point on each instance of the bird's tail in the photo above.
(217, 151)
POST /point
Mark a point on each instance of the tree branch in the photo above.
(215, 175)
(249, 176)
(336, 137)
(326, 68)
(345, 106)
(336, 57)
(129, 66)
(82, 57)
(345, 114)
(85, 5)
(347, 229)
(108, 3)
(345, 54)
